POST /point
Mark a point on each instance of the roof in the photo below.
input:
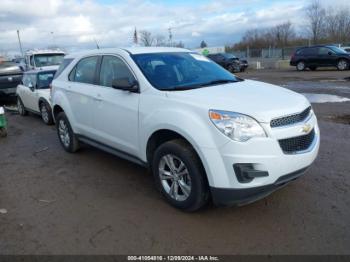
(44, 51)
(131, 50)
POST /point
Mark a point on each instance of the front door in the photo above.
(116, 111)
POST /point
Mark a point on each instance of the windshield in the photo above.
(181, 71)
(45, 79)
(48, 59)
(338, 50)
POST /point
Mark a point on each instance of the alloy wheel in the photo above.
(342, 65)
(175, 178)
(44, 113)
(63, 132)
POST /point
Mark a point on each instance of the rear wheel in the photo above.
(342, 65)
(179, 175)
(46, 113)
(21, 109)
(301, 66)
(65, 133)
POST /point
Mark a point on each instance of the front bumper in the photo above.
(260, 157)
(240, 197)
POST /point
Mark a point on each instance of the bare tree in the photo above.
(316, 15)
(146, 38)
(283, 33)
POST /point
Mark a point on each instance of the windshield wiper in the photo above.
(219, 81)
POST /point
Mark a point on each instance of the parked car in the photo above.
(33, 94)
(203, 132)
(320, 56)
(229, 62)
(346, 48)
(43, 59)
(10, 77)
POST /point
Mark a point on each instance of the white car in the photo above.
(33, 94)
(204, 133)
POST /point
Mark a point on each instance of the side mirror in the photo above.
(125, 84)
(31, 87)
(330, 53)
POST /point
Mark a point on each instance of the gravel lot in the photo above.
(91, 202)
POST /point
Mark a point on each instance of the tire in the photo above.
(46, 113)
(233, 69)
(3, 132)
(342, 65)
(313, 68)
(185, 188)
(21, 109)
(65, 134)
(301, 66)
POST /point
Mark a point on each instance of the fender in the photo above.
(59, 99)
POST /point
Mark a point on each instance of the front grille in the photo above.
(291, 119)
(296, 144)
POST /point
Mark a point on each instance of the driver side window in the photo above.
(113, 68)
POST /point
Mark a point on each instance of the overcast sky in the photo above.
(74, 24)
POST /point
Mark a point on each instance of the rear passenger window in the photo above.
(84, 71)
(113, 68)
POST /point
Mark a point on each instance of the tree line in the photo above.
(323, 25)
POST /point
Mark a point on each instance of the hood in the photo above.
(259, 100)
(10, 69)
(52, 67)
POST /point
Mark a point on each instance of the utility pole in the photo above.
(170, 36)
(20, 44)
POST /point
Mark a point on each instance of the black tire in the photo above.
(342, 65)
(3, 132)
(199, 192)
(301, 66)
(313, 68)
(62, 123)
(46, 113)
(232, 69)
(21, 109)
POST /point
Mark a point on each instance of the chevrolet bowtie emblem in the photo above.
(306, 128)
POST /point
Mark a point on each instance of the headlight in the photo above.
(236, 126)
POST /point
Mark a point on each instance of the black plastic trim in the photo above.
(239, 197)
(112, 150)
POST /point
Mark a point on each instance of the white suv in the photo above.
(203, 132)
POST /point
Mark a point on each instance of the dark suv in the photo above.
(229, 62)
(320, 56)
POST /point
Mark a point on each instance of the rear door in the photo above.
(310, 55)
(116, 111)
(81, 92)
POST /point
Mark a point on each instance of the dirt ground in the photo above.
(91, 202)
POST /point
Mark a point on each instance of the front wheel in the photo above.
(65, 133)
(179, 175)
(21, 109)
(46, 113)
(342, 65)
